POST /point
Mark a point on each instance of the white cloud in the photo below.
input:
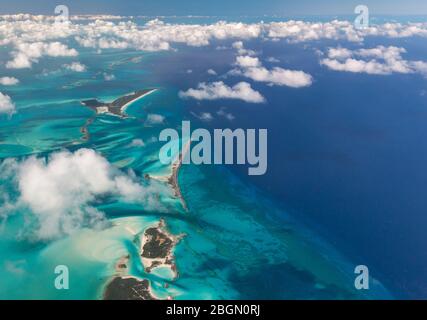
(153, 119)
(247, 61)
(25, 54)
(20, 61)
(380, 60)
(53, 49)
(32, 37)
(8, 81)
(238, 45)
(419, 66)
(300, 31)
(219, 90)
(204, 116)
(279, 76)
(339, 53)
(157, 35)
(75, 66)
(223, 113)
(272, 60)
(252, 68)
(103, 32)
(61, 192)
(109, 77)
(357, 66)
(212, 72)
(6, 104)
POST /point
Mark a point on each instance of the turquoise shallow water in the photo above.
(238, 243)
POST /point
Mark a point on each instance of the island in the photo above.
(157, 246)
(118, 106)
(172, 179)
(130, 288)
(156, 251)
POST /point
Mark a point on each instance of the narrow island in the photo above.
(172, 179)
(118, 106)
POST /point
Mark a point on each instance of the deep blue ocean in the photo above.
(346, 155)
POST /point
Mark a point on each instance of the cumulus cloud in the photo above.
(75, 66)
(251, 67)
(20, 61)
(223, 113)
(104, 32)
(61, 192)
(419, 66)
(8, 81)
(25, 54)
(239, 46)
(247, 61)
(279, 76)
(219, 90)
(101, 34)
(157, 35)
(6, 104)
(204, 116)
(339, 53)
(380, 60)
(301, 31)
(272, 60)
(212, 72)
(154, 119)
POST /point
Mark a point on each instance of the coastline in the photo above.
(117, 107)
(156, 250)
(172, 179)
(129, 288)
(125, 106)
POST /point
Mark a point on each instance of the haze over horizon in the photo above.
(221, 7)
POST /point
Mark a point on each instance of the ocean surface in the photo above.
(344, 187)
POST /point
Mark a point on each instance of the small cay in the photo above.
(156, 251)
(157, 246)
(129, 288)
